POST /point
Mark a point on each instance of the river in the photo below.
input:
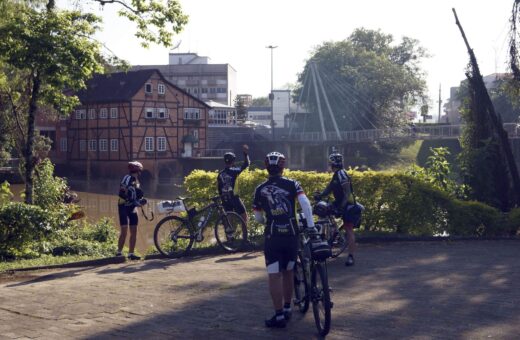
(99, 199)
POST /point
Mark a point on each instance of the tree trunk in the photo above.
(29, 159)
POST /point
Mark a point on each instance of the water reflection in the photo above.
(101, 201)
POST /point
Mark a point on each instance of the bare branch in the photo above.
(122, 3)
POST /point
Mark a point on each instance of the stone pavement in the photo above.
(437, 290)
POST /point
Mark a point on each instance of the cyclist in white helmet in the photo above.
(130, 197)
(276, 198)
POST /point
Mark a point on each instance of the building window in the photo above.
(81, 114)
(63, 144)
(196, 90)
(221, 90)
(148, 88)
(148, 143)
(82, 145)
(103, 145)
(149, 113)
(212, 90)
(204, 90)
(161, 89)
(162, 113)
(191, 113)
(195, 134)
(92, 145)
(91, 113)
(218, 117)
(114, 145)
(113, 112)
(161, 143)
(103, 113)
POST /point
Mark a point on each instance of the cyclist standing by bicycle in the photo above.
(130, 197)
(276, 197)
(340, 186)
(226, 180)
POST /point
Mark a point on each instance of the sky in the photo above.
(237, 32)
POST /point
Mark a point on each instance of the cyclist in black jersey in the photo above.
(276, 198)
(226, 180)
(340, 187)
(130, 197)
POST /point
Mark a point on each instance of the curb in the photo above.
(395, 239)
(258, 247)
(87, 263)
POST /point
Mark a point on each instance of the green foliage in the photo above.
(24, 227)
(395, 201)
(48, 189)
(370, 80)
(83, 238)
(5, 193)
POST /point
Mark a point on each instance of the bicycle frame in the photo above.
(207, 212)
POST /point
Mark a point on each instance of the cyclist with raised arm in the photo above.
(226, 180)
(275, 206)
(340, 187)
(130, 197)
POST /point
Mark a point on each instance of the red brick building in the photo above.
(136, 115)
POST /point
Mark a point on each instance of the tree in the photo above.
(370, 81)
(487, 161)
(51, 50)
(261, 101)
(241, 108)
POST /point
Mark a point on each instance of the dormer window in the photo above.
(161, 89)
(148, 88)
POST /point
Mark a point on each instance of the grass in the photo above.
(44, 260)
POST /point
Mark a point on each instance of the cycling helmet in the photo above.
(321, 209)
(135, 166)
(274, 163)
(336, 160)
(229, 157)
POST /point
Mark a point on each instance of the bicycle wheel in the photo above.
(338, 242)
(172, 237)
(231, 232)
(321, 304)
(301, 287)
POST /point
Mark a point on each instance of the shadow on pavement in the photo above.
(50, 277)
(442, 290)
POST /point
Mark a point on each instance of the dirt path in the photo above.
(417, 290)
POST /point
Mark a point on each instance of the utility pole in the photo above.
(271, 94)
(440, 104)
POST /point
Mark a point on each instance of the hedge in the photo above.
(395, 202)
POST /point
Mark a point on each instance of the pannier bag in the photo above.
(165, 207)
(320, 249)
(353, 213)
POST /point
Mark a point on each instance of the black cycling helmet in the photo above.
(229, 157)
(336, 160)
(274, 163)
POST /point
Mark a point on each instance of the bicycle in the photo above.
(328, 227)
(314, 269)
(174, 235)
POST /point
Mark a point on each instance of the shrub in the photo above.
(83, 238)
(5, 193)
(23, 228)
(395, 202)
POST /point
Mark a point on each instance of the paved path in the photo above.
(459, 290)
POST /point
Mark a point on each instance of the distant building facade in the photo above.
(137, 115)
(196, 76)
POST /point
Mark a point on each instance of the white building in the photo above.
(195, 75)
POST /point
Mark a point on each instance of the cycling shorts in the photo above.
(234, 204)
(127, 215)
(280, 253)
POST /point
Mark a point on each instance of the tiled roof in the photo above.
(114, 87)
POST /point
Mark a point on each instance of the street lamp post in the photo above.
(271, 94)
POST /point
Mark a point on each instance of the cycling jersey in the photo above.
(226, 178)
(340, 188)
(129, 191)
(277, 197)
